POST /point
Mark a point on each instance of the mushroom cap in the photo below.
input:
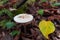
(23, 18)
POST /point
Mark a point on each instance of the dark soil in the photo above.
(32, 31)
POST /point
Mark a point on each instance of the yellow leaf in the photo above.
(46, 27)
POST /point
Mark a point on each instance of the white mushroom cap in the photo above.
(23, 18)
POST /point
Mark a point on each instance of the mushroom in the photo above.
(23, 18)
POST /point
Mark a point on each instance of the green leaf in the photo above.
(3, 22)
(2, 2)
(41, 11)
(8, 13)
(9, 25)
(22, 9)
(15, 32)
(56, 4)
(46, 27)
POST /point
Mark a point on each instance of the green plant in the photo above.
(6, 11)
(56, 4)
(2, 23)
(2, 2)
(9, 25)
(15, 32)
(41, 11)
(22, 9)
